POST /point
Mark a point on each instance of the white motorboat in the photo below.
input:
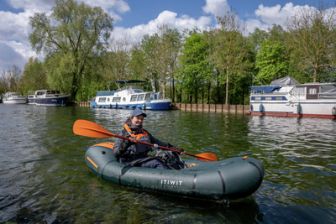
(287, 98)
(13, 98)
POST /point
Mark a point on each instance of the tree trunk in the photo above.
(209, 92)
(315, 73)
(227, 88)
(153, 85)
(173, 95)
(74, 87)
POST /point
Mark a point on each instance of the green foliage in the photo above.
(195, 70)
(60, 67)
(312, 40)
(34, 76)
(159, 54)
(231, 55)
(271, 61)
(137, 65)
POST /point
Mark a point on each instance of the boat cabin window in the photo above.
(108, 99)
(147, 97)
(141, 97)
(134, 98)
(312, 91)
(40, 93)
(300, 91)
(124, 99)
(116, 99)
(101, 99)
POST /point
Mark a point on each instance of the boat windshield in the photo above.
(264, 89)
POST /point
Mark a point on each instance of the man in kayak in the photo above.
(136, 154)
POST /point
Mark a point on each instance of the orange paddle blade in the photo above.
(207, 156)
(90, 129)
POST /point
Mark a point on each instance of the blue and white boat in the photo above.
(130, 98)
(48, 98)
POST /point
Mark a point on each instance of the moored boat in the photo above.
(48, 98)
(285, 97)
(130, 98)
(13, 98)
(232, 178)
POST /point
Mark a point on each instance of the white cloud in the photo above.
(251, 24)
(9, 57)
(113, 7)
(15, 27)
(216, 7)
(171, 19)
(32, 5)
(279, 15)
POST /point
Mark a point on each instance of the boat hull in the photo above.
(163, 105)
(232, 178)
(50, 101)
(318, 109)
(14, 101)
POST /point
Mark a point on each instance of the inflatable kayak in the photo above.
(232, 178)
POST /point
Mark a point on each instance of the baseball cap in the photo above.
(138, 112)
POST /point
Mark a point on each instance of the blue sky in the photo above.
(143, 11)
(135, 18)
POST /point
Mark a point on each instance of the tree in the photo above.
(10, 80)
(137, 64)
(150, 47)
(34, 76)
(312, 42)
(169, 49)
(160, 56)
(271, 62)
(195, 70)
(257, 38)
(230, 52)
(76, 33)
(115, 66)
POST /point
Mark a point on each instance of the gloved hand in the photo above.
(155, 147)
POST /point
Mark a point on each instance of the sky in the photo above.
(135, 18)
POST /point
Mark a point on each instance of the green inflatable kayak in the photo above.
(232, 178)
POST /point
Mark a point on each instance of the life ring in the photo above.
(333, 111)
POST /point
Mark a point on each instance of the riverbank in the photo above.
(216, 108)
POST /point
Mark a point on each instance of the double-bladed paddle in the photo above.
(94, 130)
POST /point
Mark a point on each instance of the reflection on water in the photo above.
(43, 177)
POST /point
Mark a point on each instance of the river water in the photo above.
(44, 179)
